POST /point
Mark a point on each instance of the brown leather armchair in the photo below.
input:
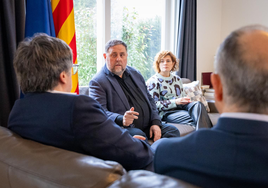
(25, 163)
(28, 164)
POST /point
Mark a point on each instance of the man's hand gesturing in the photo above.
(129, 117)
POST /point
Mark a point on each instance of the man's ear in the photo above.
(104, 55)
(217, 86)
(63, 77)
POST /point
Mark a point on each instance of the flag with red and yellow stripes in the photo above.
(63, 16)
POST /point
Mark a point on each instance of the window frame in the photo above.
(168, 31)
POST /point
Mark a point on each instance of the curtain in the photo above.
(186, 39)
(12, 22)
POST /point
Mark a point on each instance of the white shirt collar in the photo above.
(248, 116)
(62, 92)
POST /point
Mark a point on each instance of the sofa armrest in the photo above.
(212, 106)
(25, 163)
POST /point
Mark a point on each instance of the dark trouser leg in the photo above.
(179, 116)
(156, 143)
(135, 131)
(169, 131)
(199, 115)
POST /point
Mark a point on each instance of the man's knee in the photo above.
(169, 131)
(198, 104)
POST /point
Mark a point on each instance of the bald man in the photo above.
(233, 153)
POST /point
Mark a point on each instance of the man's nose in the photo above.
(118, 58)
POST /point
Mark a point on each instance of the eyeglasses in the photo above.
(167, 62)
(75, 69)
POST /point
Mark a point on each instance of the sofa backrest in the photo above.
(84, 90)
(26, 164)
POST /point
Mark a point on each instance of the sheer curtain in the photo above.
(12, 21)
(186, 39)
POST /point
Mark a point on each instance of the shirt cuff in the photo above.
(119, 120)
(157, 122)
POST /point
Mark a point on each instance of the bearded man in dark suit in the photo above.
(122, 92)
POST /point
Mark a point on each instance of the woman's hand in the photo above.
(183, 100)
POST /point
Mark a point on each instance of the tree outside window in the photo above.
(86, 39)
(141, 32)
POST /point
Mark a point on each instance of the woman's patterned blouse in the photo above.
(164, 91)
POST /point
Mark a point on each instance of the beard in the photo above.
(118, 71)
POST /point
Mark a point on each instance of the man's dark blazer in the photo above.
(234, 153)
(106, 90)
(77, 123)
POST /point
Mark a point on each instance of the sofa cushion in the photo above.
(185, 80)
(84, 90)
(193, 90)
(25, 163)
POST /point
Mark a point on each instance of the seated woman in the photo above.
(167, 91)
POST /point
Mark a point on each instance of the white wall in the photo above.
(208, 34)
(217, 18)
(238, 13)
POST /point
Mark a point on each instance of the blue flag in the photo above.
(39, 18)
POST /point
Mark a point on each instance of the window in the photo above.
(139, 23)
(86, 39)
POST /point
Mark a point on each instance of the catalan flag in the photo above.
(63, 16)
(55, 18)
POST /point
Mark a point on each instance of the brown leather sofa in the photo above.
(28, 164)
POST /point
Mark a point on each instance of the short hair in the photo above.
(39, 61)
(114, 42)
(162, 54)
(245, 84)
